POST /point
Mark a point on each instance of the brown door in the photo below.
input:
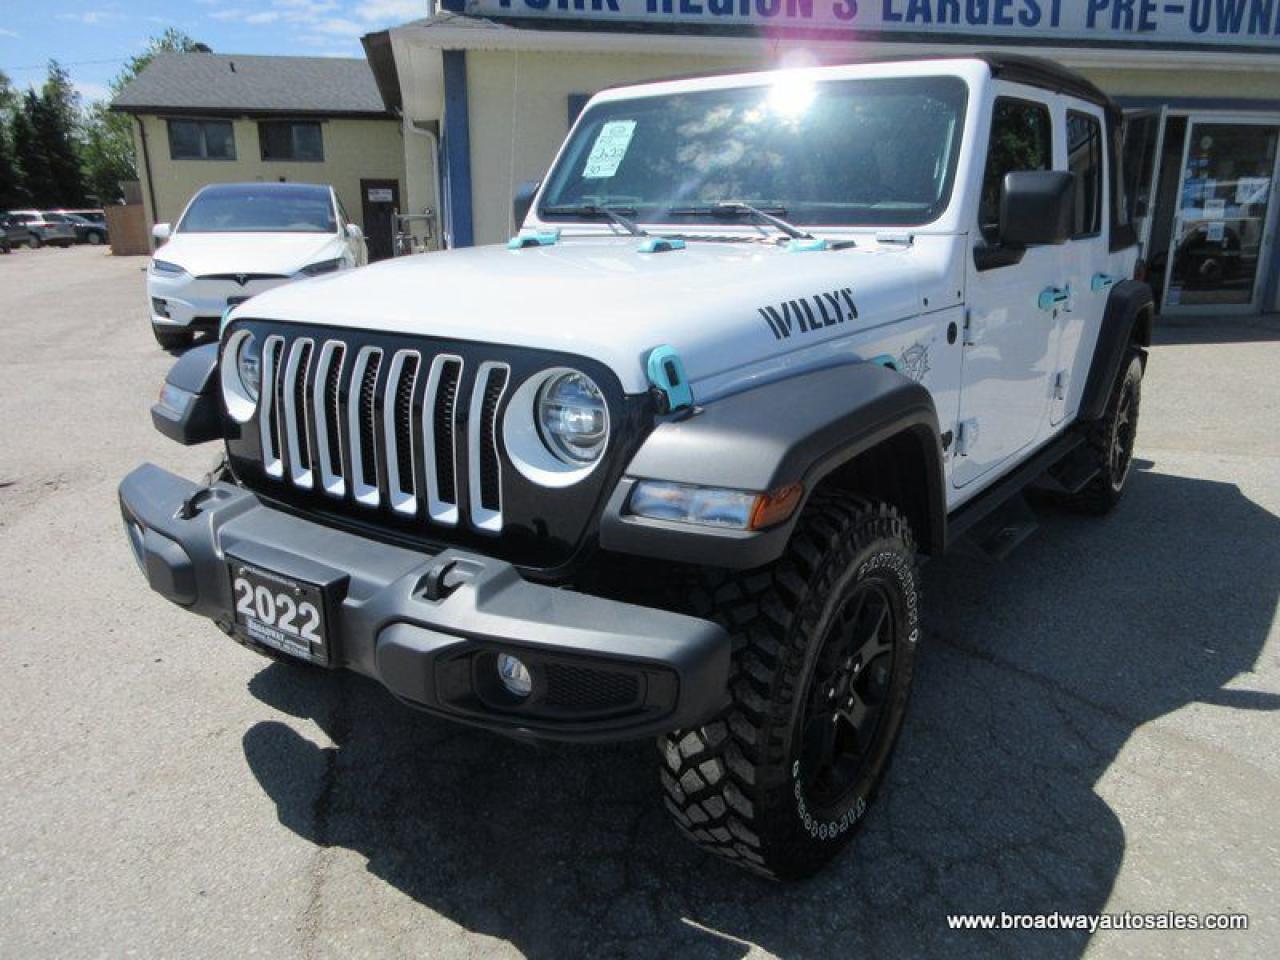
(379, 200)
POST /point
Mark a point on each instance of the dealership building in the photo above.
(487, 89)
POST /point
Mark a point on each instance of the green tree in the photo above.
(55, 117)
(8, 96)
(108, 152)
(13, 192)
(29, 152)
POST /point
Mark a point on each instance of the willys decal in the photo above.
(810, 313)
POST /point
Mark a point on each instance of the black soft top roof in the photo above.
(1039, 72)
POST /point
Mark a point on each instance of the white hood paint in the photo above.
(201, 254)
(599, 297)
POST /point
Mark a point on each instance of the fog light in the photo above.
(159, 307)
(514, 675)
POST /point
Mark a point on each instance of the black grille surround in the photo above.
(545, 531)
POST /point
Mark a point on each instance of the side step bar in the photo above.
(963, 519)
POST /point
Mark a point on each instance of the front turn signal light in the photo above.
(774, 508)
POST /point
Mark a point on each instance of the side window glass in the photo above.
(1021, 139)
(1084, 159)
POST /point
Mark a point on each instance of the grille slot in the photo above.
(439, 434)
(381, 428)
(482, 442)
(397, 424)
(360, 427)
(293, 411)
(328, 417)
(268, 422)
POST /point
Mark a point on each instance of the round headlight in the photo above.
(249, 365)
(573, 419)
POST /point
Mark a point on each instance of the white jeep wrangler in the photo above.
(664, 464)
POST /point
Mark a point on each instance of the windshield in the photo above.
(844, 153)
(267, 208)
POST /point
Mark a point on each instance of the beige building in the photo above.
(488, 89)
(204, 118)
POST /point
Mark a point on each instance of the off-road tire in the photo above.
(735, 785)
(1110, 443)
(172, 341)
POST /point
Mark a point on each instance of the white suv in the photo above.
(664, 464)
(236, 240)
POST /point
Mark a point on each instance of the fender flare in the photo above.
(189, 412)
(1127, 319)
(796, 430)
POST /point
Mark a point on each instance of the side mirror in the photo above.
(524, 200)
(1036, 207)
(160, 232)
(354, 232)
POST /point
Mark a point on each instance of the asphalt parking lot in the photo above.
(1094, 725)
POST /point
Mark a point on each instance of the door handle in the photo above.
(1051, 297)
(1102, 281)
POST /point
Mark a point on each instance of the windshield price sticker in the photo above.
(609, 149)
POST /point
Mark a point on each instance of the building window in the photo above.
(291, 140)
(201, 140)
(1021, 139)
(1084, 159)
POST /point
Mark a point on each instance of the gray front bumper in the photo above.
(603, 670)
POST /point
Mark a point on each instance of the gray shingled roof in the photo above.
(216, 82)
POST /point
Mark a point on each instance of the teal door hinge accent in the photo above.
(1101, 281)
(660, 245)
(1051, 297)
(666, 373)
(806, 244)
(222, 324)
(543, 238)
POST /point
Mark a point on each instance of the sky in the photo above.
(94, 38)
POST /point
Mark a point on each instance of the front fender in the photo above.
(796, 430)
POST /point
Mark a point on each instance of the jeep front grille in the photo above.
(380, 428)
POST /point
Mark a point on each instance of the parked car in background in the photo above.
(92, 215)
(13, 234)
(86, 230)
(56, 233)
(235, 240)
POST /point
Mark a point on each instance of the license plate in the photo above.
(235, 301)
(280, 612)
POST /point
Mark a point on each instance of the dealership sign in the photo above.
(1244, 23)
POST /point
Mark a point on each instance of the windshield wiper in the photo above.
(595, 210)
(734, 208)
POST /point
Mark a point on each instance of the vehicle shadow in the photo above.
(1034, 674)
